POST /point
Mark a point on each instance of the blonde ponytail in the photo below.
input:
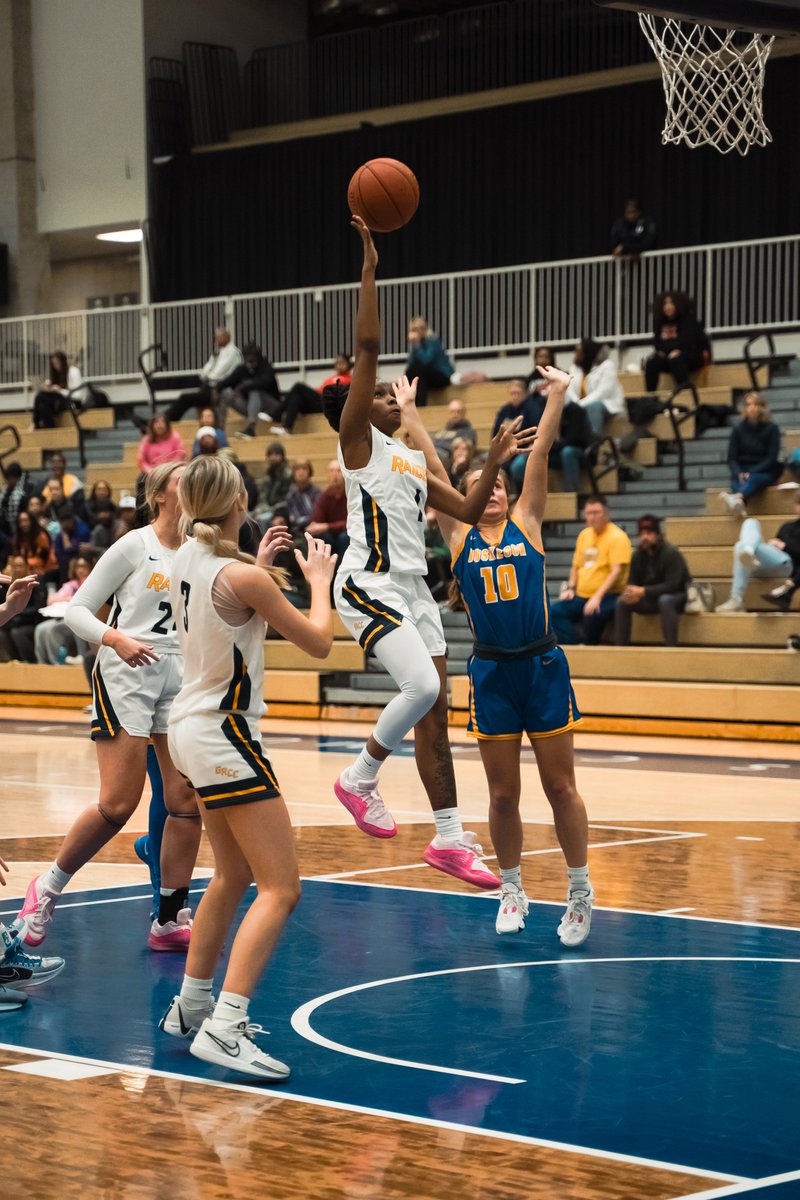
(208, 489)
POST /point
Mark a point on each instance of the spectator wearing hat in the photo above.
(206, 441)
(274, 486)
(208, 419)
(657, 583)
(126, 516)
(597, 576)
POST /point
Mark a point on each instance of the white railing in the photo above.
(737, 286)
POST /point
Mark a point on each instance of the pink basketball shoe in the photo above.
(37, 911)
(464, 860)
(366, 808)
(172, 935)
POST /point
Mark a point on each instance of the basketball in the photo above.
(385, 193)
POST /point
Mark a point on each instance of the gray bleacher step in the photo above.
(351, 696)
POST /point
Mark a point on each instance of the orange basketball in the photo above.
(384, 193)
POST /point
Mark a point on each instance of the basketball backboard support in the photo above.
(780, 17)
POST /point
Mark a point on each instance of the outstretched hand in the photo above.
(556, 378)
(405, 392)
(275, 541)
(511, 440)
(370, 253)
(18, 595)
(319, 564)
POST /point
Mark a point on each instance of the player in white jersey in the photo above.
(129, 707)
(223, 599)
(381, 595)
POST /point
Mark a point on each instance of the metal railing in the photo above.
(738, 287)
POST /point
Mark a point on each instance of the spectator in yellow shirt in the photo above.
(598, 574)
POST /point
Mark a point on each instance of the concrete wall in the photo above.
(88, 67)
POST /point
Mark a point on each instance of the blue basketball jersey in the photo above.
(503, 587)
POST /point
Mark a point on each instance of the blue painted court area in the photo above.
(675, 1041)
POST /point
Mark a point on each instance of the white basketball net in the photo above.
(713, 83)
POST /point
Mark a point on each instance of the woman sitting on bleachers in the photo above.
(52, 399)
(54, 642)
(34, 544)
(753, 454)
(595, 384)
(681, 344)
(160, 444)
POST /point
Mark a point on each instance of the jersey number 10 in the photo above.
(506, 583)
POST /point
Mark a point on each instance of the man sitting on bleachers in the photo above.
(457, 425)
(774, 558)
(597, 576)
(225, 357)
(657, 583)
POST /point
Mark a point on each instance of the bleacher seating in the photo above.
(700, 687)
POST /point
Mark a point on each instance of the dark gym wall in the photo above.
(528, 183)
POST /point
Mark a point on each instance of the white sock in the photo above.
(512, 875)
(364, 770)
(196, 992)
(578, 880)
(55, 879)
(448, 824)
(231, 1010)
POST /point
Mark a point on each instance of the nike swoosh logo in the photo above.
(15, 975)
(184, 1028)
(153, 557)
(233, 1049)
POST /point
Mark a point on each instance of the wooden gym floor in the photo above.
(659, 1060)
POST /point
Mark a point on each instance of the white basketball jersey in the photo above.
(223, 668)
(386, 509)
(141, 607)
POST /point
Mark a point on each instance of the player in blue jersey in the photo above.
(519, 677)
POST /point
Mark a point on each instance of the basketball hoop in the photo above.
(713, 83)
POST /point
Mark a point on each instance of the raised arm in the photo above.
(406, 395)
(355, 436)
(469, 509)
(533, 497)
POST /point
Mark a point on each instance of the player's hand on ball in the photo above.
(319, 564)
(370, 253)
(277, 540)
(405, 393)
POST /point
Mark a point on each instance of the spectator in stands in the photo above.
(536, 383)
(519, 404)
(632, 234)
(457, 425)
(70, 484)
(303, 399)
(103, 530)
(329, 516)
(252, 390)
(301, 498)
(772, 558)
(54, 641)
(208, 419)
(36, 509)
(127, 516)
(680, 342)
(575, 436)
(33, 544)
(437, 557)
(462, 452)
(225, 358)
(100, 498)
(753, 454)
(56, 492)
(595, 384)
(275, 484)
(16, 636)
(206, 441)
(657, 583)
(597, 577)
(14, 496)
(52, 399)
(427, 359)
(161, 444)
(73, 534)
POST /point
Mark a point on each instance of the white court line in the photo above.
(109, 887)
(427, 1122)
(671, 912)
(416, 866)
(740, 1189)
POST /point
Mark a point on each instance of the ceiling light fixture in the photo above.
(121, 235)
